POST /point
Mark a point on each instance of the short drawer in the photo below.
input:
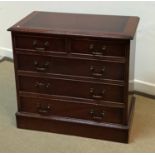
(51, 107)
(101, 47)
(72, 88)
(40, 43)
(72, 66)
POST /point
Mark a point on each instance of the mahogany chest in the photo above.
(74, 74)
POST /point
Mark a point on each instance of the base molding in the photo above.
(90, 129)
(26, 121)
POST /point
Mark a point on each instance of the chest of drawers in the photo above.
(74, 74)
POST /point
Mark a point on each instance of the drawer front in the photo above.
(49, 107)
(99, 47)
(40, 44)
(75, 67)
(72, 88)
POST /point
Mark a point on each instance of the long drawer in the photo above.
(72, 66)
(51, 107)
(73, 88)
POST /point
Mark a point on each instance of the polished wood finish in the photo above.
(105, 26)
(74, 72)
(72, 109)
(109, 70)
(102, 47)
(68, 87)
(40, 44)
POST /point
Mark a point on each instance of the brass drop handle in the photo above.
(104, 48)
(97, 53)
(96, 114)
(91, 46)
(42, 85)
(44, 110)
(95, 96)
(40, 49)
(41, 68)
(46, 44)
(96, 74)
(35, 43)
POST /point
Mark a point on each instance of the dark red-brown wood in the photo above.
(72, 109)
(107, 26)
(74, 74)
(73, 88)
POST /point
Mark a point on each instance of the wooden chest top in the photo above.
(107, 26)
